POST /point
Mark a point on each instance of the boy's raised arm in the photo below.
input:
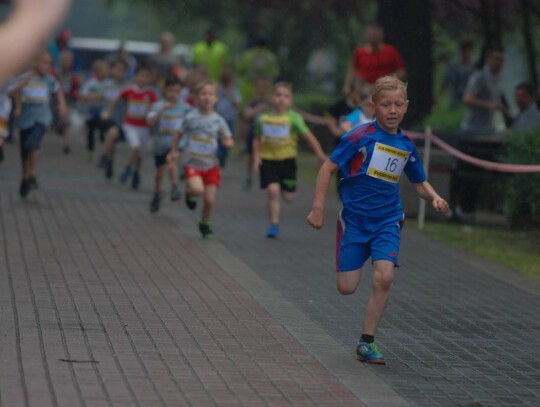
(316, 216)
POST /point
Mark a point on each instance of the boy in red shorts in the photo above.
(201, 130)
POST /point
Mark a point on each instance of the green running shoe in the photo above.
(369, 352)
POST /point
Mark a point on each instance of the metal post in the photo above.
(425, 159)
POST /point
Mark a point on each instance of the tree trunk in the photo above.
(407, 25)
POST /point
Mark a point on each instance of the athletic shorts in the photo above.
(106, 125)
(136, 136)
(282, 172)
(30, 139)
(209, 177)
(160, 159)
(359, 238)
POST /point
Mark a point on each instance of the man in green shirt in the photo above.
(211, 53)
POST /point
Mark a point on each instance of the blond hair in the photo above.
(388, 82)
(203, 83)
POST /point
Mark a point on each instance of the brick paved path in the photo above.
(102, 303)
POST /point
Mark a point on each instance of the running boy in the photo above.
(275, 149)
(167, 115)
(139, 99)
(372, 158)
(113, 125)
(201, 130)
(32, 94)
(93, 98)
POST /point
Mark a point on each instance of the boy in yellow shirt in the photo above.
(275, 149)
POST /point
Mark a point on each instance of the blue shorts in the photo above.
(30, 139)
(359, 238)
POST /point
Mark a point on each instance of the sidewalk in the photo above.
(106, 304)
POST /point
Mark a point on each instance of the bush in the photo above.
(523, 193)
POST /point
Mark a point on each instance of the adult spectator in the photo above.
(483, 98)
(256, 62)
(212, 53)
(123, 54)
(374, 60)
(165, 61)
(457, 75)
(525, 95)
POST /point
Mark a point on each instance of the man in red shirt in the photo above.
(374, 60)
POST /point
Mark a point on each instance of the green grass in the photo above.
(516, 249)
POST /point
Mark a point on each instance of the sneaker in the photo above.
(272, 231)
(103, 160)
(32, 182)
(191, 202)
(156, 201)
(24, 189)
(109, 169)
(175, 193)
(206, 230)
(125, 175)
(136, 180)
(369, 352)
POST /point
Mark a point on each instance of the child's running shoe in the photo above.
(103, 159)
(156, 201)
(206, 230)
(32, 182)
(125, 175)
(272, 231)
(175, 193)
(369, 352)
(24, 188)
(136, 180)
(191, 201)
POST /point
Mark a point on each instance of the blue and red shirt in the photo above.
(372, 161)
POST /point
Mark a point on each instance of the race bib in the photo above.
(170, 124)
(137, 109)
(275, 132)
(111, 93)
(202, 147)
(387, 163)
(35, 93)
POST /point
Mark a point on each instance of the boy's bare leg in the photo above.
(172, 168)
(383, 275)
(288, 196)
(32, 163)
(274, 196)
(209, 202)
(159, 177)
(110, 141)
(135, 158)
(348, 281)
(195, 186)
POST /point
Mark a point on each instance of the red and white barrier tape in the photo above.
(488, 165)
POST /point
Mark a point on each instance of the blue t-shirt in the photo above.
(372, 161)
(357, 117)
(36, 100)
(169, 123)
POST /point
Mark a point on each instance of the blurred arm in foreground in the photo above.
(26, 30)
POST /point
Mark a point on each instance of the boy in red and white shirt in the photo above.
(139, 98)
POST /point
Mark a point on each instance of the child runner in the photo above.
(113, 125)
(372, 158)
(70, 81)
(139, 98)
(259, 104)
(201, 130)
(275, 149)
(93, 99)
(167, 115)
(32, 94)
(363, 112)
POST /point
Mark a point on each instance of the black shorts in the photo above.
(31, 139)
(108, 124)
(282, 172)
(160, 159)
